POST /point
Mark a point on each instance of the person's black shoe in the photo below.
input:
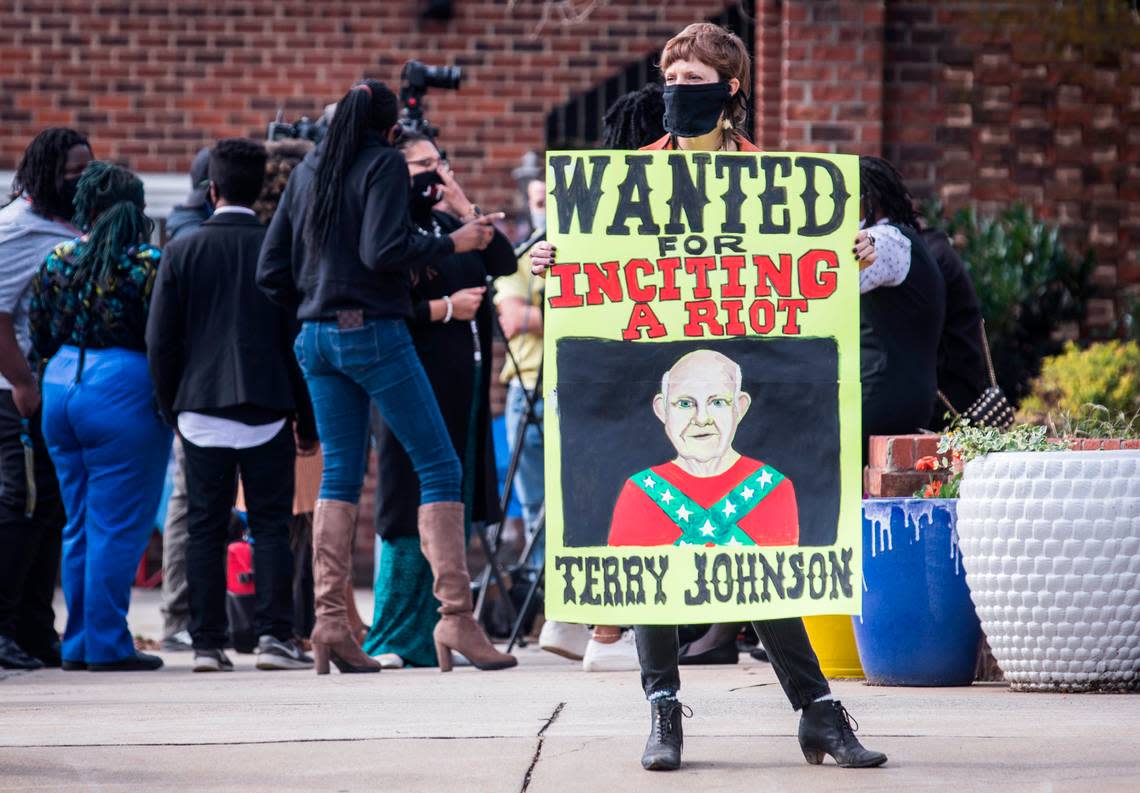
(50, 657)
(720, 654)
(759, 654)
(663, 749)
(73, 666)
(825, 728)
(716, 646)
(139, 662)
(12, 656)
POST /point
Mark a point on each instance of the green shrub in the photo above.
(1104, 376)
(1028, 284)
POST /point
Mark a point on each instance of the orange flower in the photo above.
(933, 489)
(928, 463)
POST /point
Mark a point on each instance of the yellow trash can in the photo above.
(833, 639)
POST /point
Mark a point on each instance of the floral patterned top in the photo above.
(85, 314)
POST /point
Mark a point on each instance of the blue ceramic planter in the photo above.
(919, 627)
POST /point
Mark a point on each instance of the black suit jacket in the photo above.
(215, 342)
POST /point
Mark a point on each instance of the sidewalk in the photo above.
(543, 728)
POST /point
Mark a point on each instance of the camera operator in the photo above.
(341, 251)
(451, 330)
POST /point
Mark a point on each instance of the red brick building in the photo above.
(1037, 101)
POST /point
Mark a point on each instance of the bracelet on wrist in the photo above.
(450, 309)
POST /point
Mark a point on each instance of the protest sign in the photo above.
(702, 386)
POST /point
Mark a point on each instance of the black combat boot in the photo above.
(663, 749)
(825, 728)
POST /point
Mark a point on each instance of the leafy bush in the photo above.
(965, 442)
(1102, 379)
(1028, 285)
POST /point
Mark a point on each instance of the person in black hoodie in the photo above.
(451, 331)
(961, 355)
(224, 373)
(341, 251)
(902, 305)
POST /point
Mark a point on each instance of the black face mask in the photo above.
(427, 191)
(67, 192)
(694, 110)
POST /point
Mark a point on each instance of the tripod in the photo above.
(491, 535)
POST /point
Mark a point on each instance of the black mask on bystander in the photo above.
(427, 191)
(67, 191)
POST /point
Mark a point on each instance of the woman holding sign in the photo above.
(707, 78)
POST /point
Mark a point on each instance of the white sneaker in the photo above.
(212, 661)
(564, 638)
(621, 656)
(390, 661)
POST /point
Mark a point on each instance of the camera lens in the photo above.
(447, 77)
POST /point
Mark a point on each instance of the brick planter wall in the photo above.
(890, 465)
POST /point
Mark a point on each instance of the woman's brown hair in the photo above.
(722, 50)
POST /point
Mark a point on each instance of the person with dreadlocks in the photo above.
(902, 307)
(708, 73)
(88, 317)
(341, 252)
(635, 119)
(35, 220)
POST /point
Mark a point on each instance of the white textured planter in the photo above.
(1050, 543)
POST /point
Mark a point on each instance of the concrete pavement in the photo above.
(545, 727)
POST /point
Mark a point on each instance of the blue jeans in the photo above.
(348, 369)
(110, 451)
(530, 483)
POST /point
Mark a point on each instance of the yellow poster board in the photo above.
(702, 387)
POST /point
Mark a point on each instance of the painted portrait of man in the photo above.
(708, 494)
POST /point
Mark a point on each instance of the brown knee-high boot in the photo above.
(332, 638)
(442, 542)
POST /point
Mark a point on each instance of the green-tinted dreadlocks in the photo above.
(109, 209)
(884, 194)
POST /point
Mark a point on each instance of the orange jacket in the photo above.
(742, 144)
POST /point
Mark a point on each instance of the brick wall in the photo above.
(151, 81)
(820, 88)
(1028, 102)
(1037, 102)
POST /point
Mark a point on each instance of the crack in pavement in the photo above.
(538, 748)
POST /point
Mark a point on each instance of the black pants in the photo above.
(301, 541)
(211, 486)
(29, 547)
(786, 641)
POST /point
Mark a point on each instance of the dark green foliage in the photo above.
(1028, 284)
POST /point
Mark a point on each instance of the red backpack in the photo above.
(240, 595)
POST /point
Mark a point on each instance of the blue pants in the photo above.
(110, 451)
(530, 484)
(348, 369)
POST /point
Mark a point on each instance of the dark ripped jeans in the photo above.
(788, 648)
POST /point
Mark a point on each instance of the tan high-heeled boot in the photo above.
(442, 542)
(355, 621)
(333, 526)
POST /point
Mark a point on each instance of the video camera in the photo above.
(303, 129)
(415, 80)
